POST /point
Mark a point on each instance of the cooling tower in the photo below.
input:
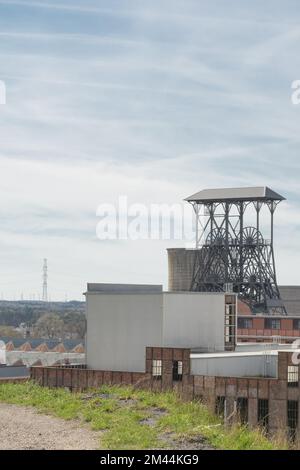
(181, 265)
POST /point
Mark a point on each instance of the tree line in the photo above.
(55, 320)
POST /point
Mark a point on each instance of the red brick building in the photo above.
(266, 328)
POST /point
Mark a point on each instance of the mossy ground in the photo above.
(122, 413)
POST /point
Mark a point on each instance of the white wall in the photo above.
(194, 320)
(119, 327)
(235, 365)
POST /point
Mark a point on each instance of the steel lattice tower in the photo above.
(45, 281)
(232, 255)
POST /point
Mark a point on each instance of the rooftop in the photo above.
(142, 289)
(261, 193)
(124, 288)
(69, 344)
(234, 354)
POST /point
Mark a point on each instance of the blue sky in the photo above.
(152, 99)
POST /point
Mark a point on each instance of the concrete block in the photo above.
(278, 390)
(67, 380)
(252, 388)
(188, 393)
(209, 383)
(149, 366)
(252, 412)
(75, 379)
(230, 406)
(277, 414)
(177, 387)
(148, 353)
(198, 386)
(45, 377)
(187, 355)
(157, 353)
(242, 388)
(231, 387)
(36, 374)
(167, 367)
(220, 386)
(60, 378)
(97, 378)
(282, 365)
(187, 380)
(167, 354)
(107, 377)
(156, 385)
(126, 378)
(116, 378)
(167, 382)
(178, 354)
(263, 388)
(82, 379)
(52, 377)
(138, 379)
(186, 367)
(90, 378)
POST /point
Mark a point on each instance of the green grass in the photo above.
(121, 420)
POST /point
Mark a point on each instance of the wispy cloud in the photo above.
(57, 6)
(150, 99)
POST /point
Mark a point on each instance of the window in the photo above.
(292, 418)
(293, 376)
(296, 324)
(272, 323)
(220, 406)
(245, 323)
(242, 409)
(230, 320)
(177, 370)
(263, 413)
(156, 368)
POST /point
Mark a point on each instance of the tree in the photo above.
(49, 326)
(75, 324)
(9, 331)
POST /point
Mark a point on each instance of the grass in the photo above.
(121, 412)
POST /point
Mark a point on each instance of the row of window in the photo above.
(292, 372)
(176, 370)
(262, 413)
(269, 323)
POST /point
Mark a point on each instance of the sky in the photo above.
(153, 100)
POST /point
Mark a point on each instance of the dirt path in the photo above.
(25, 428)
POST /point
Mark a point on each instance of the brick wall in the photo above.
(81, 379)
(264, 334)
(190, 387)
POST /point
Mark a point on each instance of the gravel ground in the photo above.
(24, 428)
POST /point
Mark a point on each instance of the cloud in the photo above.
(154, 100)
(56, 6)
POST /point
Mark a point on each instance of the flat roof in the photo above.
(104, 288)
(264, 352)
(262, 193)
(127, 289)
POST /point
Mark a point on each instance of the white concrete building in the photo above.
(122, 320)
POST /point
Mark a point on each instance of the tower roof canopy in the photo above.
(258, 193)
